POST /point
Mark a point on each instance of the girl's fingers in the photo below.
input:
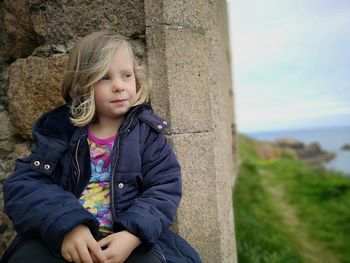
(75, 256)
(84, 254)
(108, 253)
(104, 242)
(67, 256)
(96, 250)
(94, 258)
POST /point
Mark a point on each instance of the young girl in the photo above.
(102, 184)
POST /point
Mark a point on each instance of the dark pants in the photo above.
(34, 251)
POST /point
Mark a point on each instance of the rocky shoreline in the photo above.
(311, 153)
(346, 147)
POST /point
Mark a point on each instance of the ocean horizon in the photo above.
(330, 139)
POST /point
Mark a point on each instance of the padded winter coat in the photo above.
(41, 196)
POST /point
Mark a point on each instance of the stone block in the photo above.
(156, 61)
(195, 14)
(172, 12)
(187, 73)
(64, 21)
(222, 115)
(178, 67)
(189, 14)
(198, 211)
(163, 12)
(34, 88)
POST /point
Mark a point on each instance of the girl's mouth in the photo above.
(119, 100)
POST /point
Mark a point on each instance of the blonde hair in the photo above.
(88, 63)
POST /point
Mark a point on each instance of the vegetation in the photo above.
(286, 211)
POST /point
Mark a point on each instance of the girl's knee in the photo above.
(35, 251)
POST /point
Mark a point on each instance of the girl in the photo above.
(101, 184)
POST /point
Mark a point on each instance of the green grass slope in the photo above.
(286, 211)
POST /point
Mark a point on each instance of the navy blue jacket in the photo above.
(41, 196)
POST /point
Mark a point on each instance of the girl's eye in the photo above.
(127, 75)
(105, 77)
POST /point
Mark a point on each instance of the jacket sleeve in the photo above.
(154, 210)
(36, 204)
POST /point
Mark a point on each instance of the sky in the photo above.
(290, 63)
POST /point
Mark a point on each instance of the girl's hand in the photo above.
(79, 246)
(119, 246)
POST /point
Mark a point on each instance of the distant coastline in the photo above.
(330, 138)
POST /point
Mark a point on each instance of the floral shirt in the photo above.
(96, 196)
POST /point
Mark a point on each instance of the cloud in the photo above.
(290, 61)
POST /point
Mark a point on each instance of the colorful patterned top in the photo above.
(96, 196)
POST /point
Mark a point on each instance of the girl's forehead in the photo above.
(122, 53)
(123, 50)
(122, 57)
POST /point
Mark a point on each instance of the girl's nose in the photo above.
(117, 85)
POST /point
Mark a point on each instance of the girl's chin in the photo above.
(120, 112)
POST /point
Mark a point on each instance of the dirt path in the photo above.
(310, 250)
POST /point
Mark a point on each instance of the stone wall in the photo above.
(185, 46)
(188, 59)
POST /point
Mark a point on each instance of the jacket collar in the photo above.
(56, 123)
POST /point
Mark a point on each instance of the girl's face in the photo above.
(115, 93)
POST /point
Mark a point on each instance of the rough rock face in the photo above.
(35, 87)
(8, 144)
(64, 21)
(3, 84)
(2, 29)
(8, 141)
(6, 134)
(6, 231)
(18, 36)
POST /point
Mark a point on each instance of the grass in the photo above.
(259, 231)
(321, 200)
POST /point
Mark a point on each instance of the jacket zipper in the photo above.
(76, 160)
(112, 184)
(115, 164)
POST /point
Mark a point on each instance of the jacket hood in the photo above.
(55, 124)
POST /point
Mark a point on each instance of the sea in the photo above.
(330, 138)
